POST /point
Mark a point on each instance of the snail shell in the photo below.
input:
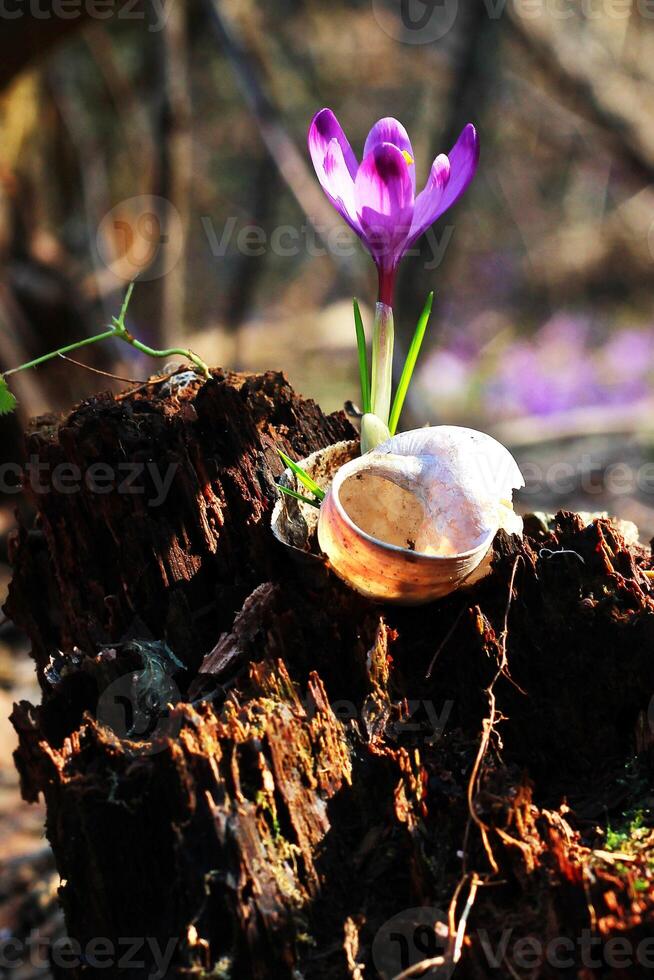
(294, 523)
(415, 518)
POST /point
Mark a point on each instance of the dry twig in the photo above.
(489, 724)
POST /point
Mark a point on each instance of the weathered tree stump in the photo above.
(305, 782)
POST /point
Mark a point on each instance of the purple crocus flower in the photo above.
(378, 197)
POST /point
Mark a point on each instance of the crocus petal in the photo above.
(432, 201)
(384, 202)
(389, 130)
(338, 185)
(429, 201)
(324, 128)
(463, 157)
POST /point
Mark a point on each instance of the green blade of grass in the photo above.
(409, 365)
(363, 358)
(297, 496)
(303, 477)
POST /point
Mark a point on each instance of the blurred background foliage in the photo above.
(166, 139)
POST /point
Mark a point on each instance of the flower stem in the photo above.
(382, 362)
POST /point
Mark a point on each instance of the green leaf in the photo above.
(298, 496)
(409, 365)
(303, 477)
(363, 358)
(7, 399)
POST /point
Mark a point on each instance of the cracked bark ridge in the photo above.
(308, 776)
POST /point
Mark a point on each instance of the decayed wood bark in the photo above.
(318, 775)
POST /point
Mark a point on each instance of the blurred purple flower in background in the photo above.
(377, 198)
(549, 373)
(625, 365)
(560, 368)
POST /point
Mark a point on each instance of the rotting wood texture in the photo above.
(315, 766)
